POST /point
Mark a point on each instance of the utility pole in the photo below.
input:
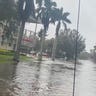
(76, 49)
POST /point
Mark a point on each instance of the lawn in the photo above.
(7, 56)
(5, 59)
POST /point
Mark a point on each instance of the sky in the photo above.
(87, 20)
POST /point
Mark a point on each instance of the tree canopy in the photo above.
(25, 9)
(7, 9)
(66, 44)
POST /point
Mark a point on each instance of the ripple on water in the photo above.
(34, 79)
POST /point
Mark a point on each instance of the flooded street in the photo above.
(86, 79)
(47, 79)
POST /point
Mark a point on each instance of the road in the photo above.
(47, 78)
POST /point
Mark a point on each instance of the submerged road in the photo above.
(47, 79)
(86, 79)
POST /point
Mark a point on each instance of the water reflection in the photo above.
(86, 80)
(7, 72)
(42, 80)
(35, 79)
(47, 79)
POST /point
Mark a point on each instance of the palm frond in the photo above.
(39, 2)
(54, 4)
(64, 17)
(67, 20)
(66, 14)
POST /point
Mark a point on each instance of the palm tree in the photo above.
(7, 10)
(45, 14)
(60, 17)
(25, 9)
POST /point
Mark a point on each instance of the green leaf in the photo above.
(39, 2)
(66, 14)
(67, 20)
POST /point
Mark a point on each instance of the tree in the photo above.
(60, 17)
(25, 9)
(93, 53)
(7, 10)
(84, 55)
(48, 46)
(45, 15)
(66, 44)
(10, 30)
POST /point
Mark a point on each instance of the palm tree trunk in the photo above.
(42, 45)
(36, 28)
(35, 33)
(54, 48)
(17, 52)
(55, 41)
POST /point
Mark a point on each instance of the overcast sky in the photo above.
(87, 19)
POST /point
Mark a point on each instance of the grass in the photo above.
(7, 57)
(24, 58)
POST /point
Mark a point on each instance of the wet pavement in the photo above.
(47, 78)
(36, 79)
(86, 79)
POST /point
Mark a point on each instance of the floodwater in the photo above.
(47, 79)
(86, 79)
